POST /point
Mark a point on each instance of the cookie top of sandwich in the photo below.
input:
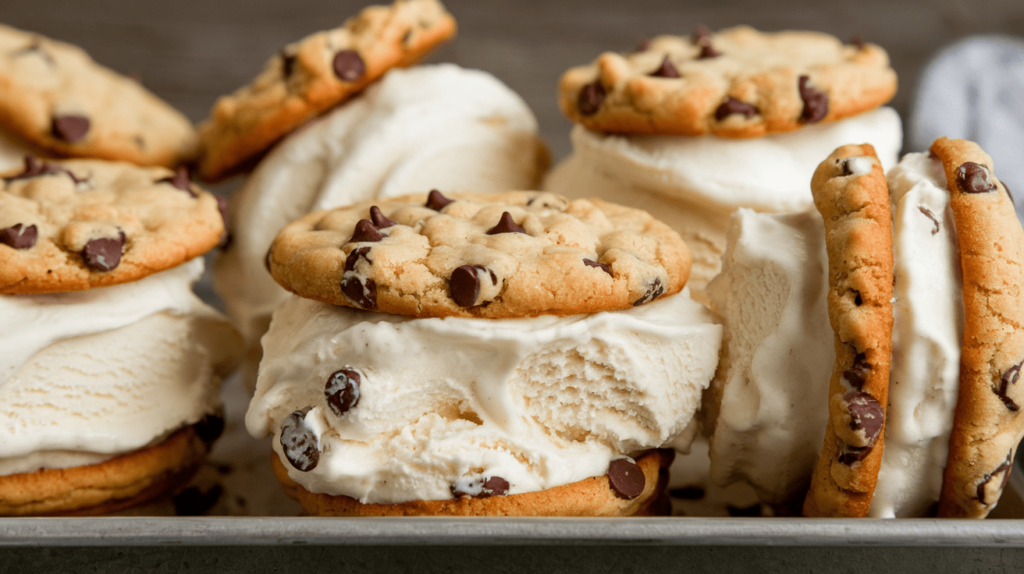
(736, 83)
(77, 224)
(987, 423)
(314, 74)
(513, 254)
(55, 96)
(851, 193)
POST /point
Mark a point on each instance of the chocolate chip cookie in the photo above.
(851, 193)
(314, 74)
(735, 83)
(514, 254)
(987, 423)
(55, 96)
(78, 224)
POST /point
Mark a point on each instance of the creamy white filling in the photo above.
(109, 370)
(772, 296)
(416, 129)
(928, 325)
(539, 402)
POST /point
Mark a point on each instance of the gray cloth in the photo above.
(974, 89)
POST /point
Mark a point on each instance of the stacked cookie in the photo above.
(58, 102)
(692, 128)
(507, 354)
(384, 131)
(911, 408)
(111, 370)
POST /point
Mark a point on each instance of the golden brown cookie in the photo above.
(514, 254)
(106, 487)
(851, 193)
(736, 83)
(55, 96)
(314, 74)
(987, 423)
(78, 224)
(612, 494)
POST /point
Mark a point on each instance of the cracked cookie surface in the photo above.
(55, 96)
(507, 255)
(316, 73)
(77, 224)
(987, 422)
(736, 83)
(851, 193)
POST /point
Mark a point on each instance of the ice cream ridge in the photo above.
(111, 366)
(878, 366)
(452, 353)
(693, 128)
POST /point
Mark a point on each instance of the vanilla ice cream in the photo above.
(429, 127)
(694, 183)
(771, 391)
(540, 402)
(928, 322)
(88, 375)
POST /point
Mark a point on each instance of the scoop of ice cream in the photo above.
(768, 401)
(427, 127)
(91, 374)
(928, 319)
(694, 183)
(437, 403)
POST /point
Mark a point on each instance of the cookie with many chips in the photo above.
(514, 254)
(315, 74)
(736, 83)
(56, 97)
(77, 224)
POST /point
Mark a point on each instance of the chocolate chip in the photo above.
(1002, 468)
(194, 502)
(287, 62)
(858, 42)
(815, 101)
(19, 236)
(104, 253)
(348, 65)
(744, 511)
(653, 292)
(379, 220)
(1010, 377)
(365, 232)
(666, 70)
(687, 493)
(299, 443)
(342, 391)
(464, 285)
(354, 256)
(733, 106)
(927, 213)
(209, 428)
(484, 488)
(603, 266)
(626, 478)
(858, 372)
(180, 180)
(707, 50)
(865, 415)
(590, 98)
(34, 168)
(701, 36)
(974, 178)
(436, 200)
(70, 128)
(361, 291)
(849, 455)
(506, 225)
(857, 299)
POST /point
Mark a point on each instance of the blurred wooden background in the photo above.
(191, 51)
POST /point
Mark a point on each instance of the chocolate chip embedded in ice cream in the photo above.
(300, 444)
(626, 478)
(481, 487)
(342, 391)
